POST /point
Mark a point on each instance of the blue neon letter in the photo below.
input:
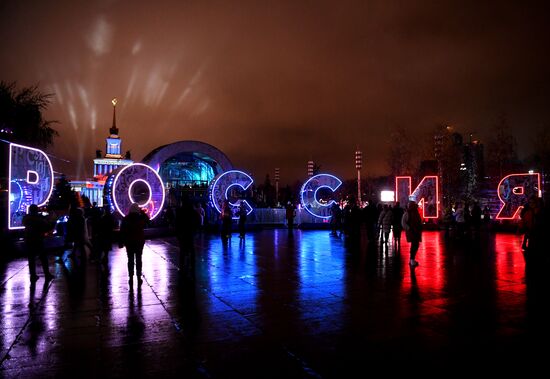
(308, 194)
(224, 186)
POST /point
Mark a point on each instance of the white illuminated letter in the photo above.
(30, 181)
(120, 189)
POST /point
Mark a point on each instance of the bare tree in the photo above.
(501, 148)
(400, 152)
(21, 118)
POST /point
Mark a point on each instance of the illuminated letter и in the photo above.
(30, 181)
(426, 194)
(308, 194)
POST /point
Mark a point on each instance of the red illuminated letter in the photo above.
(426, 194)
(513, 191)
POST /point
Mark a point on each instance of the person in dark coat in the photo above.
(290, 213)
(133, 237)
(385, 222)
(106, 234)
(76, 231)
(226, 218)
(36, 227)
(187, 223)
(242, 221)
(336, 219)
(412, 224)
(397, 216)
(94, 220)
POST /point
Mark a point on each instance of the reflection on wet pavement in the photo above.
(281, 304)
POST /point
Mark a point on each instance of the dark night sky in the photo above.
(274, 85)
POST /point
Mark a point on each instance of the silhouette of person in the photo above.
(242, 220)
(486, 215)
(35, 229)
(226, 216)
(397, 215)
(106, 234)
(412, 224)
(202, 214)
(76, 231)
(290, 214)
(385, 222)
(336, 219)
(187, 223)
(133, 237)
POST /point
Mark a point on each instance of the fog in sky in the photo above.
(274, 84)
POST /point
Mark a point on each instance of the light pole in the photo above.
(358, 166)
(277, 186)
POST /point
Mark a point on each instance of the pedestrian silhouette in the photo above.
(35, 229)
(132, 235)
(412, 224)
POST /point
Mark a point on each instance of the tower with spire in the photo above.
(113, 158)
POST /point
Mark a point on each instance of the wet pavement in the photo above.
(283, 304)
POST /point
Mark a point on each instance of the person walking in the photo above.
(385, 222)
(397, 216)
(133, 237)
(35, 229)
(412, 224)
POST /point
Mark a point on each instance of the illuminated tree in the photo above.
(21, 118)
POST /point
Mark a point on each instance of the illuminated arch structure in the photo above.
(187, 167)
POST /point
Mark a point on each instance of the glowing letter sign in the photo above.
(426, 194)
(137, 183)
(514, 191)
(225, 185)
(308, 194)
(30, 181)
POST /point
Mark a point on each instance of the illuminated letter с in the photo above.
(309, 192)
(229, 186)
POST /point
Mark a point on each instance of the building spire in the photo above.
(114, 129)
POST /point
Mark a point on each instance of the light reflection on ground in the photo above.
(298, 297)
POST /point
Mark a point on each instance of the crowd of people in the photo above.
(380, 220)
(90, 232)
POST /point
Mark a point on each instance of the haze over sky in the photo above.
(273, 84)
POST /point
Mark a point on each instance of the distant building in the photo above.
(103, 166)
(460, 165)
